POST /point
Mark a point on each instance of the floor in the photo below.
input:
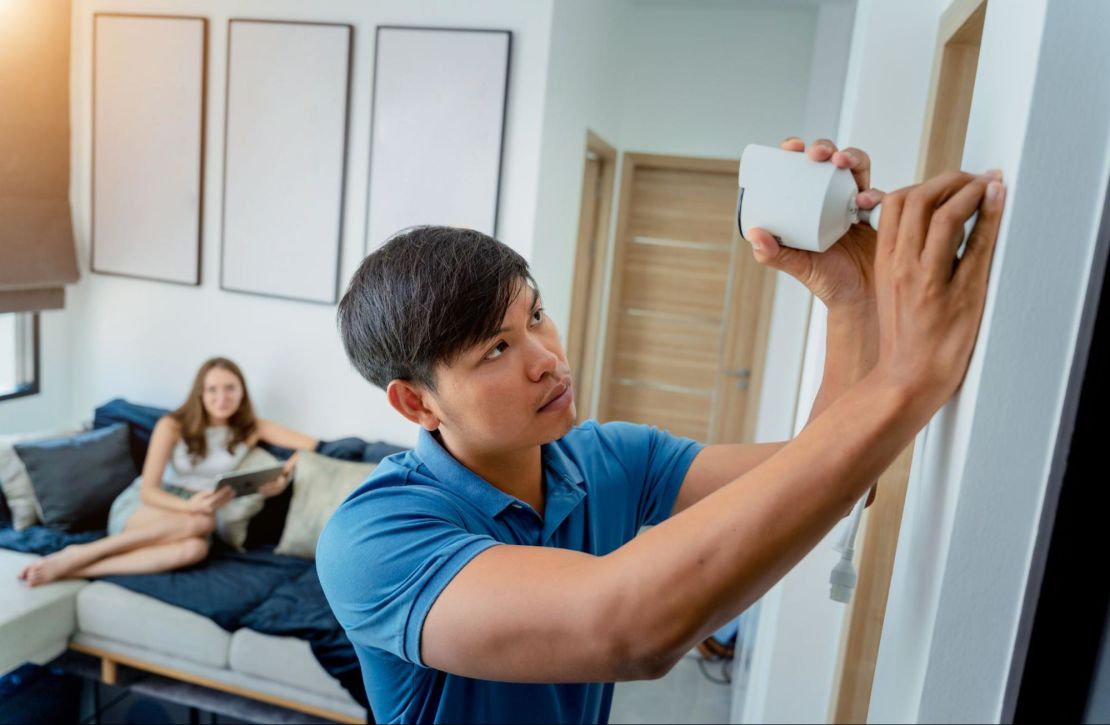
(683, 695)
(67, 691)
(694, 691)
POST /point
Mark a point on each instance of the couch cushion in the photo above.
(282, 659)
(319, 485)
(34, 620)
(76, 478)
(110, 611)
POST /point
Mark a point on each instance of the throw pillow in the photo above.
(15, 482)
(319, 484)
(233, 518)
(75, 479)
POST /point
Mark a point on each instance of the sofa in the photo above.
(250, 619)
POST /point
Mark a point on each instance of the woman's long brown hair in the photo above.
(193, 418)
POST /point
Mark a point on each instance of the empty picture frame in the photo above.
(437, 129)
(148, 146)
(284, 158)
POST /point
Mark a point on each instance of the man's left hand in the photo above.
(843, 275)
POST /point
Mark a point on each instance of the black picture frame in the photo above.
(203, 143)
(504, 116)
(343, 167)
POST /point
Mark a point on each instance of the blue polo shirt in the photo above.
(397, 541)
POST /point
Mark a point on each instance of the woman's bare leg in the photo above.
(149, 559)
(148, 525)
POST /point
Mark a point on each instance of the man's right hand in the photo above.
(208, 502)
(930, 302)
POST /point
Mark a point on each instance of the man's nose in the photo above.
(542, 361)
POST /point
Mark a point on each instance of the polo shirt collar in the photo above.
(565, 489)
(566, 486)
(460, 480)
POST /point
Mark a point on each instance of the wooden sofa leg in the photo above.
(107, 671)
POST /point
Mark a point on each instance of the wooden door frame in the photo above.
(589, 272)
(630, 162)
(957, 50)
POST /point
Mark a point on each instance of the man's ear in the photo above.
(410, 401)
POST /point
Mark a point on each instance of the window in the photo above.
(19, 354)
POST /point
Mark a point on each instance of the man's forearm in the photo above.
(851, 351)
(687, 576)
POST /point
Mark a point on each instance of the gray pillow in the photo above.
(75, 479)
(14, 480)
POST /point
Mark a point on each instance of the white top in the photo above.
(202, 475)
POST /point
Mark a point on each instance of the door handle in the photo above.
(743, 375)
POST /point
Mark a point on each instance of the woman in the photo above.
(168, 524)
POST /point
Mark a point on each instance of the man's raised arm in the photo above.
(533, 614)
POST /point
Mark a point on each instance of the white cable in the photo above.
(842, 580)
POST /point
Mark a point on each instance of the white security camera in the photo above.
(805, 204)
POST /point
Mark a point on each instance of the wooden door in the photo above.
(688, 306)
(589, 269)
(949, 107)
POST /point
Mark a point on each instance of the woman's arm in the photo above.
(167, 432)
(277, 435)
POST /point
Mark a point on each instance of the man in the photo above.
(494, 574)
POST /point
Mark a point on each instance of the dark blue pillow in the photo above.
(140, 420)
(75, 479)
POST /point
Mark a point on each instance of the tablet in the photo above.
(245, 482)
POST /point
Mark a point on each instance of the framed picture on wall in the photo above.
(437, 128)
(285, 148)
(149, 77)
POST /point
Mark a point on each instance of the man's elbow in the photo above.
(640, 663)
(642, 651)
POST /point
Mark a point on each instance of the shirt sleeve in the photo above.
(384, 558)
(655, 461)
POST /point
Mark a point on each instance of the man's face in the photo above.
(492, 398)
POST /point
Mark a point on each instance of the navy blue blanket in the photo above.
(298, 608)
(225, 587)
(41, 540)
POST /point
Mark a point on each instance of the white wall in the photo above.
(618, 67)
(706, 78)
(978, 485)
(144, 340)
(582, 92)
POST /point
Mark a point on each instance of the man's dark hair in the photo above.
(423, 298)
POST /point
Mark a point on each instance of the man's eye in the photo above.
(497, 349)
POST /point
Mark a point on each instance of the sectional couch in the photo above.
(251, 622)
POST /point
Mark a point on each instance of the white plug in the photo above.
(842, 580)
